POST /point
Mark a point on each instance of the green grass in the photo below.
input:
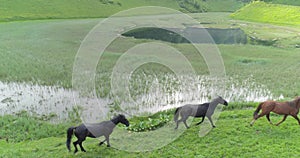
(269, 13)
(24, 127)
(287, 2)
(224, 5)
(65, 9)
(233, 137)
(43, 52)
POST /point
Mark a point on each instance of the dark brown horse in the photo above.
(281, 108)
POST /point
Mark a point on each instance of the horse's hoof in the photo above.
(108, 145)
(100, 143)
(75, 151)
(213, 126)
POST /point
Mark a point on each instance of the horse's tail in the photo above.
(257, 110)
(70, 132)
(176, 115)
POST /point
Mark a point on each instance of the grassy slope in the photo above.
(64, 9)
(287, 2)
(223, 5)
(233, 137)
(269, 13)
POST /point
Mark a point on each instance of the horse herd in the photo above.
(105, 128)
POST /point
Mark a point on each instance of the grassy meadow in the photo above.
(65, 9)
(39, 42)
(46, 50)
(233, 137)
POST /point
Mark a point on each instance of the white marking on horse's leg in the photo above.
(252, 122)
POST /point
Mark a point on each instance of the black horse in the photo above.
(95, 130)
(199, 110)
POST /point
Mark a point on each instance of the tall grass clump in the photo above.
(151, 93)
(23, 126)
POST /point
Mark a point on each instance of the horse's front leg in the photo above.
(81, 147)
(102, 142)
(211, 122)
(107, 140)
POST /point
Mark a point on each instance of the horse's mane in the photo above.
(297, 102)
(216, 99)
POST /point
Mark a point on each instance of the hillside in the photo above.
(269, 13)
(287, 2)
(65, 9)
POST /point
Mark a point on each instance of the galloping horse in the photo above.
(281, 108)
(198, 110)
(95, 130)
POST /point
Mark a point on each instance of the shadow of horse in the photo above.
(198, 110)
(281, 108)
(95, 130)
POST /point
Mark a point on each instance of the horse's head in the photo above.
(123, 120)
(222, 101)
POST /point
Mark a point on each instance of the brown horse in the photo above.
(281, 108)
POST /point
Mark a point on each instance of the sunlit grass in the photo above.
(269, 13)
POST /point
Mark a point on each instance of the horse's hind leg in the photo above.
(81, 147)
(183, 119)
(201, 121)
(185, 124)
(75, 145)
(258, 116)
(177, 123)
(268, 118)
(284, 117)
